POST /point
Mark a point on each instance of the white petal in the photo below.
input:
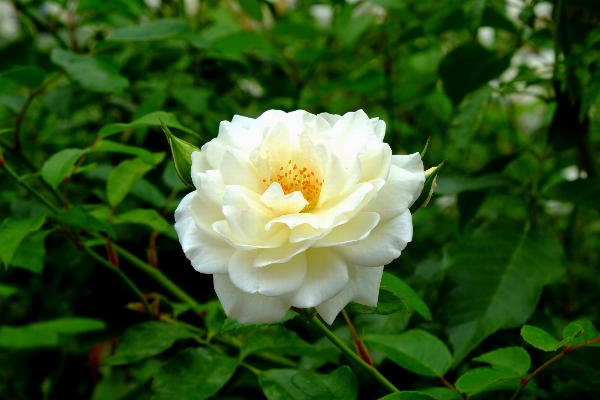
(332, 119)
(294, 220)
(346, 206)
(375, 162)
(411, 163)
(383, 245)
(350, 135)
(269, 280)
(246, 215)
(281, 203)
(281, 253)
(358, 228)
(275, 237)
(242, 121)
(208, 254)
(380, 130)
(240, 138)
(326, 276)
(399, 192)
(362, 287)
(236, 169)
(249, 308)
(199, 163)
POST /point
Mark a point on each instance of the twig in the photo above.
(360, 347)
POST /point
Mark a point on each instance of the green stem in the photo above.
(123, 277)
(352, 355)
(27, 186)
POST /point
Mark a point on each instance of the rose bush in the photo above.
(296, 209)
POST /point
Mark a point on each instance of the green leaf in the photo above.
(31, 252)
(277, 385)
(114, 147)
(441, 393)
(193, 374)
(29, 76)
(426, 192)
(155, 30)
(12, 233)
(8, 291)
(124, 175)
(415, 350)
(58, 167)
(95, 73)
(147, 192)
(171, 179)
(411, 299)
(78, 217)
(148, 217)
(514, 358)
(194, 100)
(469, 66)
(457, 184)
(146, 340)
(479, 379)
(407, 395)
(539, 338)
(587, 332)
(252, 7)
(152, 119)
(182, 156)
(274, 339)
(498, 274)
(584, 192)
(469, 116)
(340, 384)
(231, 324)
(387, 303)
(46, 333)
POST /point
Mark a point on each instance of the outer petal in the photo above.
(400, 190)
(249, 308)
(411, 163)
(383, 245)
(358, 228)
(208, 254)
(363, 287)
(326, 276)
(269, 280)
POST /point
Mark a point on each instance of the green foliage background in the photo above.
(508, 92)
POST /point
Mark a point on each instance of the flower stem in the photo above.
(352, 355)
(360, 346)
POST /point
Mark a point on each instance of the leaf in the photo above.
(340, 384)
(498, 275)
(95, 73)
(441, 393)
(182, 156)
(274, 339)
(12, 233)
(155, 30)
(147, 192)
(152, 119)
(58, 167)
(171, 179)
(479, 379)
(580, 332)
(469, 116)
(513, 358)
(31, 252)
(426, 192)
(252, 7)
(114, 147)
(7, 291)
(457, 184)
(194, 100)
(231, 324)
(146, 340)
(539, 338)
(407, 395)
(78, 217)
(387, 303)
(277, 385)
(415, 350)
(30, 76)
(123, 176)
(584, 192)
(148, 217)
(46, 333)
(193, 374)
(411, 299)
(469, 66)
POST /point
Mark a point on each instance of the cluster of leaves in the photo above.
(509, 92)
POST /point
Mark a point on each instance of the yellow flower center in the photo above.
(293, 178)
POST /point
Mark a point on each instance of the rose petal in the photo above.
(249, 308)
(281, 253)
(282, 203)
(383, 245)
(358, 228)
(236, 169)
(326, 276)
(269, 280)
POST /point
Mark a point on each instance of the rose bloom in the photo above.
(296, 209)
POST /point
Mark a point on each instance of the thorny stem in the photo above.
(448, 384)
(350, 354)
(360, 347)
(566, 350)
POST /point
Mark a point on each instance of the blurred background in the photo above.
(508, 91)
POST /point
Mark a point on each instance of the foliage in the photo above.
(497, 295)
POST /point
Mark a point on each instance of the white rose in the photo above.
(296, 209)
